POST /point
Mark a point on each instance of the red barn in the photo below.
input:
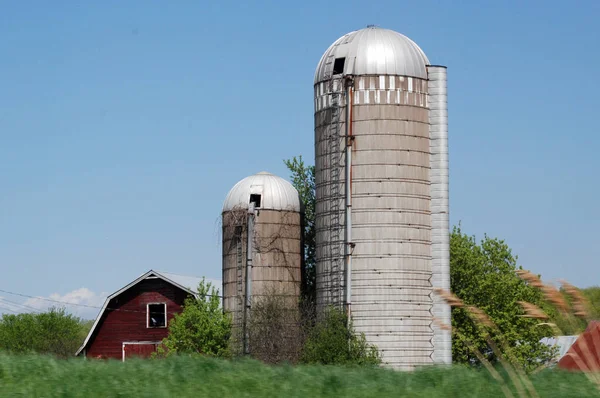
(134, 320)
(584, 354)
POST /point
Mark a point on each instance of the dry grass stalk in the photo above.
(580, 303)
(514, 371)
(450, 298)
(517, 376)
(595, 336)
(551, 294)
(555, 329)
(530, 278)
(437, 322)
(488, 366)
(482, 319)
(481, 316)
(532, 311)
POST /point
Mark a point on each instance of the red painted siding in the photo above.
(125, 318)
(584, 354)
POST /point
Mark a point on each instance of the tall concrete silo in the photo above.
(263, 212)
(381, 126)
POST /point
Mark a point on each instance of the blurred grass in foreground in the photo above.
(41, 376)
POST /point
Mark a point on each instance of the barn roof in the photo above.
(188, 284)
(563, 343)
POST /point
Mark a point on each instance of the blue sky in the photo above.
(124, 125)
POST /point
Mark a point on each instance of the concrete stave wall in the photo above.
(391, 215)
(277, 258)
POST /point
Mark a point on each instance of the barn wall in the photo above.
(125, 317)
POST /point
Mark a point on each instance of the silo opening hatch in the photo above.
(255, 198)
(338, 66)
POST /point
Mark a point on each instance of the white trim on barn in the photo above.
(135, 343)
(148, 315)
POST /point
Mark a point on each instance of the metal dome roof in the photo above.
(275, 193)
(374, 51)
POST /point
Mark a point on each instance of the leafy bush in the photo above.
(201, 328)
(333, 341)
(54, 332)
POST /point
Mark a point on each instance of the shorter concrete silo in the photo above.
(262, 211)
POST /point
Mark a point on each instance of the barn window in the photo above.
(157, 315)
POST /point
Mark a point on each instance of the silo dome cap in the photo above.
(266, 190)
(373, 51)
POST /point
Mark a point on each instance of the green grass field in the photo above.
(35, 376)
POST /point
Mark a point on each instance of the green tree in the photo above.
(53, 332)
(331, 341)
(593, 295)
(483, 275)
(303, 179)
(201, 328)
(86, 326)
